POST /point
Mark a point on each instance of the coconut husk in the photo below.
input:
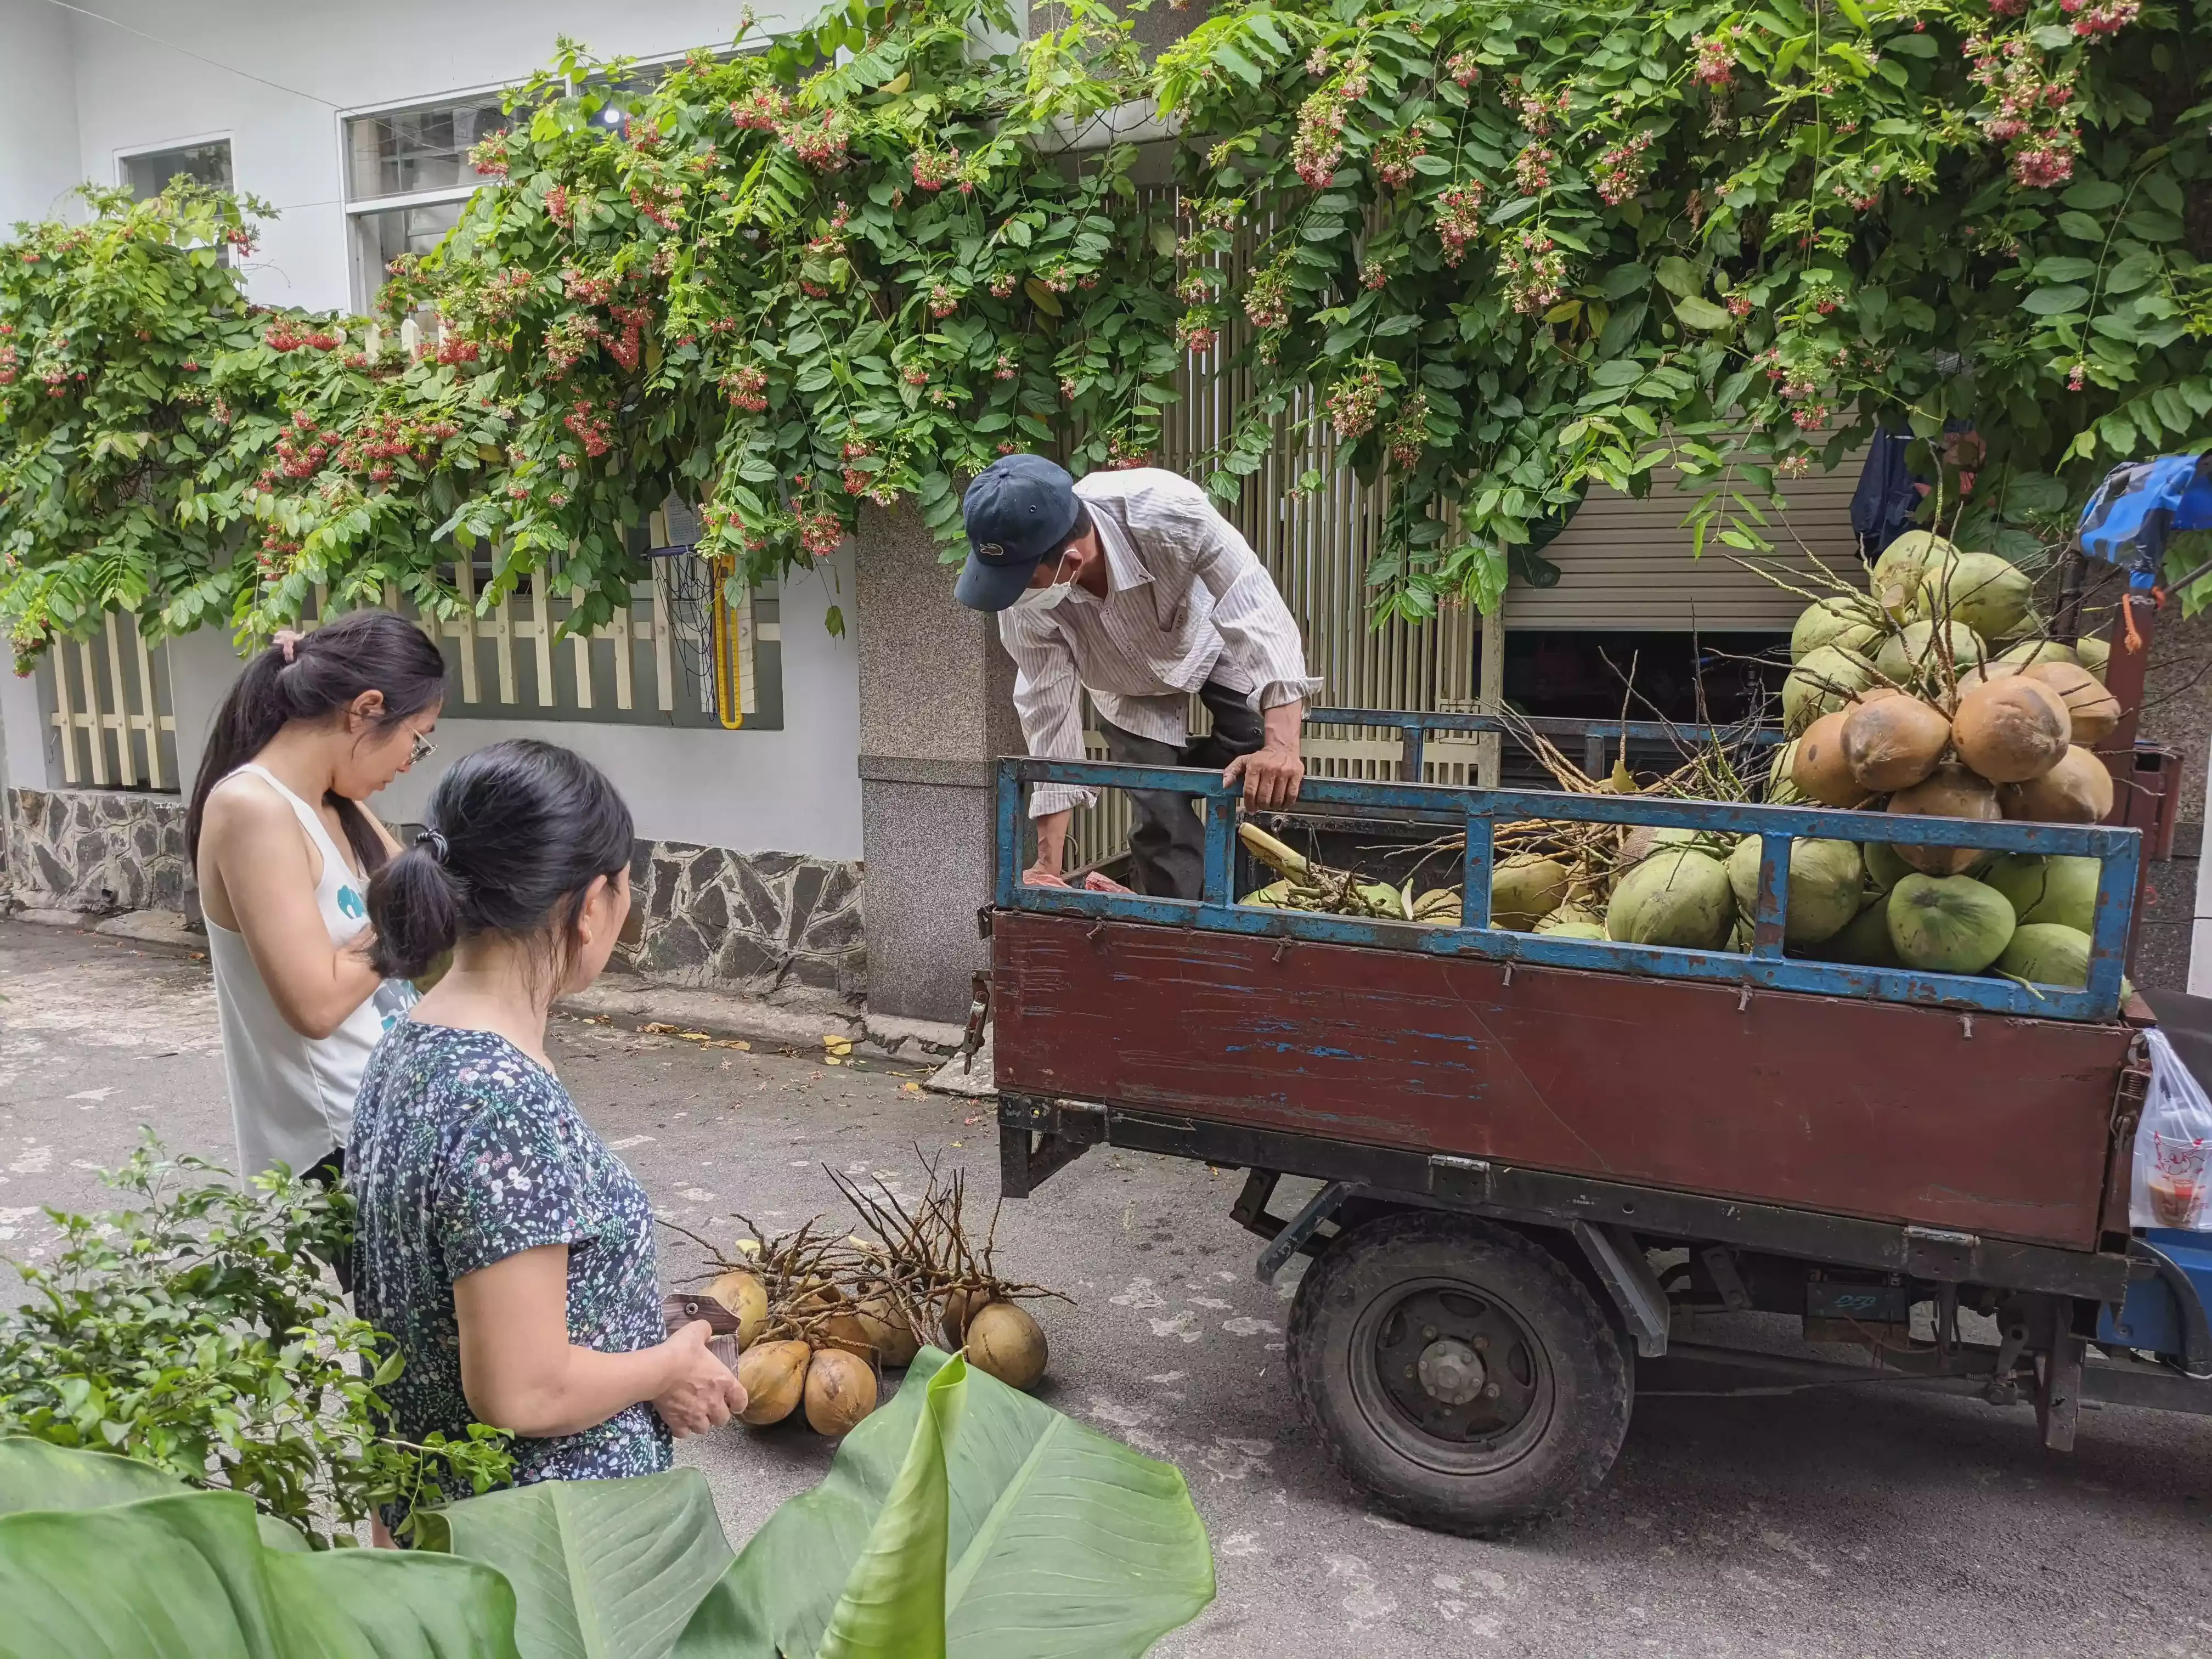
(2010, 730)
(1827, 879)
(2092, 711)
(1949, 792)
(1892, 743)
(774, 1378)
(1677, 897)
(1004, 1340)
(2077, 790)
(1949, 924)
(1818, 769)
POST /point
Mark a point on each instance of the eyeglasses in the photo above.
(423, 750)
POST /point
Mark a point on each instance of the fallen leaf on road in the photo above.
(659, 1029)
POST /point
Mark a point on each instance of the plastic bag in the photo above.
(2174, 1146)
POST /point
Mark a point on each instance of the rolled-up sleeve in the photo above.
(1259, 635)
(1049, 697)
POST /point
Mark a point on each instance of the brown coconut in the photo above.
(958, 1304)
(891, 1336)
(1004, 1340)
(775, 1377)
(2078, 790)
(2011, 730)
(1818, 769)
(746, 1299)
(1949, 792)
(841, 1390)
(2093, 710)
(1892, 743)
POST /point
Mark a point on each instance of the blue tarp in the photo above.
(2138, 506)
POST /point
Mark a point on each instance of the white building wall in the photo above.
(37, 112)
(289, 71)
(77, 94)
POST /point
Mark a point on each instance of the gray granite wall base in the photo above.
(750, 922)
(929, 871)
(97, 850)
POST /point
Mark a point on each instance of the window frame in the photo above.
(125, 154)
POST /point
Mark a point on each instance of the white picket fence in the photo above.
(112, 710)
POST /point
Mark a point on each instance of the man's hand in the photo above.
(1271, 777)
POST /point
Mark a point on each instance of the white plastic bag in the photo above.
(2174, 1146)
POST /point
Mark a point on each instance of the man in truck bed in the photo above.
(1128, 585)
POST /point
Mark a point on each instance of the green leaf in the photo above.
(2152, 226)
(34, 1475)
(2080, 227)
(602, 1569)
(2044, 301)
(197, 1580)
(1679, 276)
(2135, 271)
(2094, 194)
(2064, 268)
(1701, 313)
(1624, 280)
(1058, 1540)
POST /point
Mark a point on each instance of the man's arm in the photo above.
(1049, 697)
(1271, 775)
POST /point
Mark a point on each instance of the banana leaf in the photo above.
(604, 1569)
(1058, 1543)
(119, 1574)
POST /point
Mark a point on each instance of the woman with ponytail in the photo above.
(507, 1252)
(284, 848)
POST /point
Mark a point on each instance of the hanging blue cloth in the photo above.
(2139, 505)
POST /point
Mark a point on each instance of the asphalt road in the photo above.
(1815, 1526)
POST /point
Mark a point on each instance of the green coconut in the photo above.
(1883, 868)
(1274, 896)
(1825, 681)
(1913, 652)
(1575, 930)
(1905, 566)
(1863, 941)
(1679, 896)
(1843, 619)
(2048, 890)
(1572, 915)
(1826, 881)
(1525, 889)
(1991, 595)
(1949, 924)
(2030, 654)
(2095, 655)
(2046, 953)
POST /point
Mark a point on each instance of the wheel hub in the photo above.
(1450, 1371)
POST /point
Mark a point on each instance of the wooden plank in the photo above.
(582, 641)
(502, 633)
(664, 658)
(126, 763)
(464, 629)
(618, 632)
(541, 635)
(1856, 1108)
(151, 704)
(65, 717)
(89, 719)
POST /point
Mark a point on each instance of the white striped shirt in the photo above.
(1187, 601)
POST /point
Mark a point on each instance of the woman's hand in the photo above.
(703, 1393)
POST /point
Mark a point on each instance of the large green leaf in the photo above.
(603, 1569)
(1059, 1542)
(894, 1602)
(35, 1475)
(187, 1574)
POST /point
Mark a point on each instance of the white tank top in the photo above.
(291, 1096)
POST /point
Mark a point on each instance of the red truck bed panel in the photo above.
(1867, 1109)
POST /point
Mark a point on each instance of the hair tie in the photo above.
(287, 640)
(433, 841)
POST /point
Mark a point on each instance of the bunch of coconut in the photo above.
(1911, 713)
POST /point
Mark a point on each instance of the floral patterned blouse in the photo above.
(465, 1152)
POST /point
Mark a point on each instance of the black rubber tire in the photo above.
(1589, 1380)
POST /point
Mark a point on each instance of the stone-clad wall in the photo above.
(753, 922)
(702, 916)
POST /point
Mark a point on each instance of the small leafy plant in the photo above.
(196, 1331)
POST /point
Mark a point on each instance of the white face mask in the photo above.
(1044, 598)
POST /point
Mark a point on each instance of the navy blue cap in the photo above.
(1017, 510)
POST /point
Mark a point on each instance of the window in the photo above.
(148, 173)
(407, 178)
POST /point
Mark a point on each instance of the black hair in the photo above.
(517, 832)
(364, 651)
(1076, 531)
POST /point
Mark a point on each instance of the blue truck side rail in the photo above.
(1479, 811)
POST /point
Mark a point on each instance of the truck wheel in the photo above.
(1458, 1371)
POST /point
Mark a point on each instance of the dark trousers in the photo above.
(326, 1174)
(1167, 848)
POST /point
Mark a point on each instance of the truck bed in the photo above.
(1982, 1123)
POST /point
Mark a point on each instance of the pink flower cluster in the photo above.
(589, 427)
(1409, 434)
(1541, 112)
(1532, 169)
(1394, 158)
(1535, 272)
(1715, 64)
(1621, 169)
(1267, 299)
(2095, 18)
(1462, 68)
(820, 534)
(1459, 218)
(1353, 402)
(746, 387)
